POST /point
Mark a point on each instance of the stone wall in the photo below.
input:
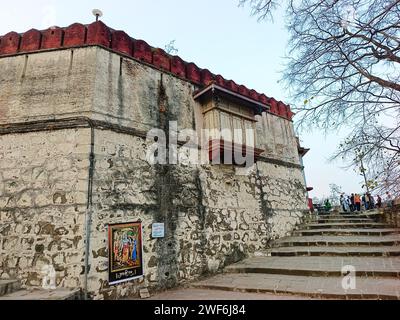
(214, 215)
(391, 215)
(43, 186)
(45, 85)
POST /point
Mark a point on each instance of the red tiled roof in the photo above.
(98, 33)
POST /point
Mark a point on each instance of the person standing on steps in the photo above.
(328, 205)
(367, 201)
(363, 203)
(352, 204)
(389, 200)
(378, 201)
(342, 203)
(371, 202)
(357, 201)
(346, 203)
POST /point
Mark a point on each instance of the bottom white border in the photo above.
(125, 280)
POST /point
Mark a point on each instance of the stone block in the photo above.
(144, 293)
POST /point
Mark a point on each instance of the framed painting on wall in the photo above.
(125, 250)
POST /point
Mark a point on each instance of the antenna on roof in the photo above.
(97, 13)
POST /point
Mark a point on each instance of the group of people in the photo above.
(357, 202)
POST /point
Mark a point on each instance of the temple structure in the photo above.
(79, 192)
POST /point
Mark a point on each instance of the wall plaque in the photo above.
(158, 230)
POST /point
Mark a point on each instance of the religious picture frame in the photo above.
(125, 252)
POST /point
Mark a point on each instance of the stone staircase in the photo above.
(11, 290)
(311, 261)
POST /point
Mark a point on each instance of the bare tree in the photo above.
(375, 154)
(261, 8)
(343, 69)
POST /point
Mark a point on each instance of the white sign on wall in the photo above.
(158, 230)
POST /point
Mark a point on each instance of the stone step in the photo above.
(316, 287)
(41, 294)
(369, 225)
(342, 216)
(389, 240)
(9, 286)
(384, 251)
(354, 220)
(319, 266)
(360, 214)
(349, 231)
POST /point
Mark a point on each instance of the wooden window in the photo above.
(229, 119)
(232, 127)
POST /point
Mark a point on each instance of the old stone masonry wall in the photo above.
(214, 215)
(43, 184)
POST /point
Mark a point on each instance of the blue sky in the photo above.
(217, 35)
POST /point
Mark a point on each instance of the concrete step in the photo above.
(41, 294)
(379, 251)
(369, 225)
(389, 240)
(316, 287)
(349, 231)
(319, 266)
(9, 286)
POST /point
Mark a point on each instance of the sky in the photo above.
(217, 35)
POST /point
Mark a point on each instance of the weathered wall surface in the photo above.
(214, 215)
(391, 215)
(104, 86)
(277, 137)
(40, 86)
(43, 185)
